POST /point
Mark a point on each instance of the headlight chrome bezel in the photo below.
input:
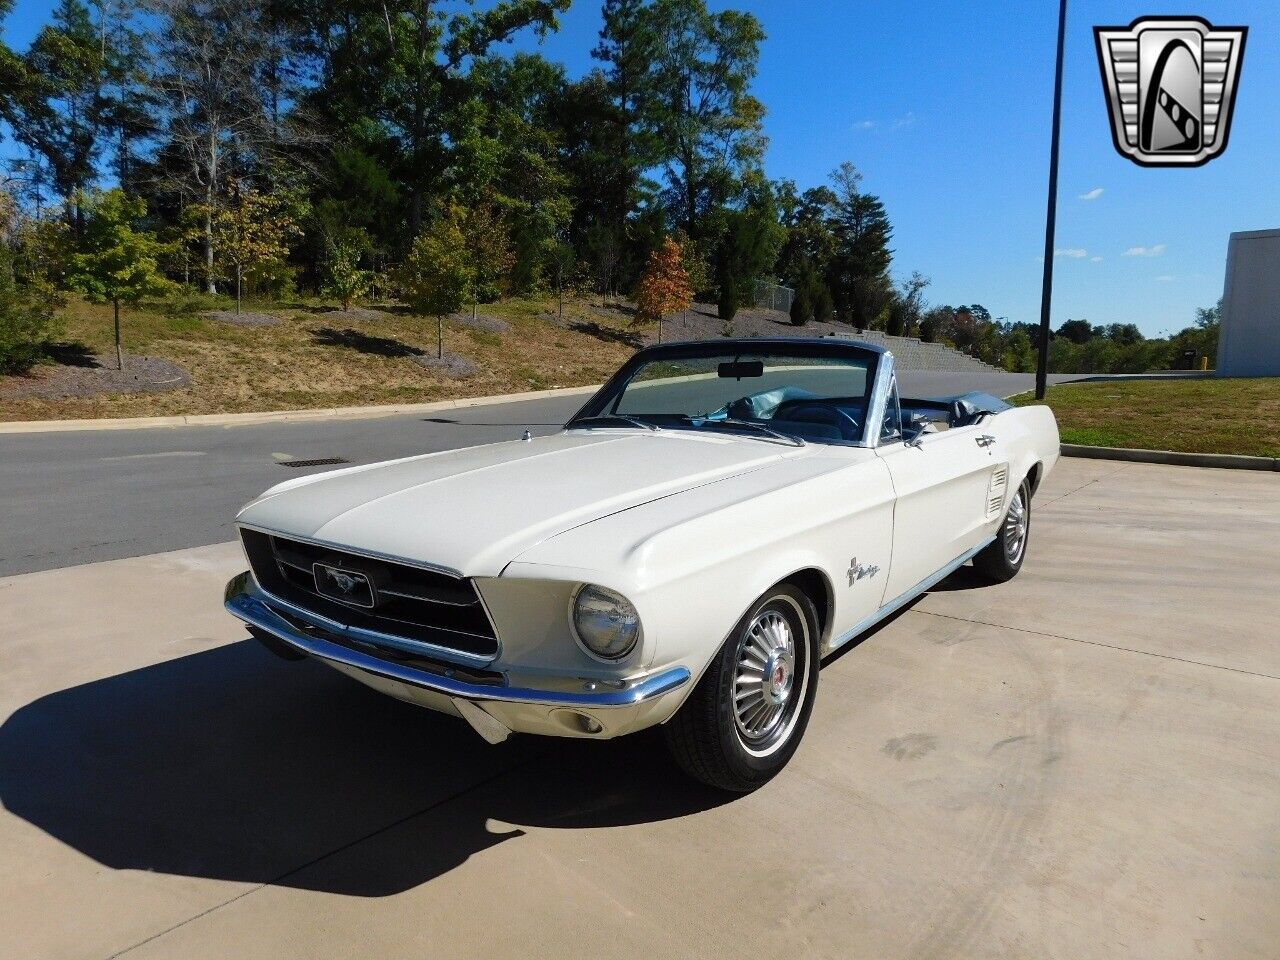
(620, 601)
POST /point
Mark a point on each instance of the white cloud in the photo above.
(1093, 194)
(1095, 259)
(908, 120)
(1166, 278)
(1153, 251)
(865, 125)
(1074, 253)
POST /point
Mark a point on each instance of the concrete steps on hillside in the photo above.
(911, 353)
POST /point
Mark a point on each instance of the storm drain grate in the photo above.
(321, 462)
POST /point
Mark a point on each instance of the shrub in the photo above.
(26, 324)
(801, 307)
(728, 306)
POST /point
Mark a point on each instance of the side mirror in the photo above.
(929, 426)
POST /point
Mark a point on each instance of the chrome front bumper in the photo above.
(493, 710)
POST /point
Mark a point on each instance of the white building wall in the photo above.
(1249, 341)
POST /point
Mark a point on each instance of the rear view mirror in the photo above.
(741, 369)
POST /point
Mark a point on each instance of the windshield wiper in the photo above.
(616, 416)
(730, 421)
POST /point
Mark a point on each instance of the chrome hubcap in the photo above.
(1015, 529)
(764, 677)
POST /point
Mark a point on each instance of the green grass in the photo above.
(1195, 416)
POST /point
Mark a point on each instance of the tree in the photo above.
(727, 306)
(664, 289)
(623, 143)
(114, 262)
(251, 232)
(562, 260)
(703, 110)
(26, 303)
(801, 307)
(437, 276)
(1077, 331)
(860, 265)
(213, 63)
(489, 248)
(343, 277)
(61, 115)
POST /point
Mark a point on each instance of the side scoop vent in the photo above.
(995, 490)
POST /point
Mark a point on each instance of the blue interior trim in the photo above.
(899, 602)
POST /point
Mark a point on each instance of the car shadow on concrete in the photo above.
(233, 765)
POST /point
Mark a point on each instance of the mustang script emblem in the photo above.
(346, 586)
(860, 571)
(1170, 84)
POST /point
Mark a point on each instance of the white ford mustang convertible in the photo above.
(714, 521)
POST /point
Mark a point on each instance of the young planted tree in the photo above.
(488, 244)
(115, 263)
(343, 277)
(562, 258)
(251, 233)
(664, 289)
(437, 276)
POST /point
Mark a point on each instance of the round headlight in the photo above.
(604, 622)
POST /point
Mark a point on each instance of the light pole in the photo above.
(1046, 290)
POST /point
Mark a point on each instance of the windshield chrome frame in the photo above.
(886, 377)
(880, 365)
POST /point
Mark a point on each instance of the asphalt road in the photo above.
(82, 497)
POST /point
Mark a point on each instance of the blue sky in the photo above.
(945, 107)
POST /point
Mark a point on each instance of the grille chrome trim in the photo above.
(377, 637)
(369, 633)
(354, 551)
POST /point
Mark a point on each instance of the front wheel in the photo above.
(1002, 558)
(745, 718)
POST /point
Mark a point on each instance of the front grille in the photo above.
(411, 603)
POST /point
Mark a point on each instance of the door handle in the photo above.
(985, 440)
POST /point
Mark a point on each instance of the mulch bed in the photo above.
(245, 319)
(480, 321)
(96, 377)
(450, 365)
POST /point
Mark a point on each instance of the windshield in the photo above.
(818, 395)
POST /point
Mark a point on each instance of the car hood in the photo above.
(472, 511)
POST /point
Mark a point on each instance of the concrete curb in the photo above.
(277, 416)
(1227, 461)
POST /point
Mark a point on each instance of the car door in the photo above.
(950, 491)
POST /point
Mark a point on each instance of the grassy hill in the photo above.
(302, 355)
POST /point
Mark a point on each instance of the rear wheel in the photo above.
(1002, 558)
(745, 718)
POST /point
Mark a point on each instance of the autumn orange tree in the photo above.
(664, 289)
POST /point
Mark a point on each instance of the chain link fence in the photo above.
(773, 296)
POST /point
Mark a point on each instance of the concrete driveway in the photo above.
(1082, 763)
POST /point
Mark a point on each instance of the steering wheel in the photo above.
(805, 412)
